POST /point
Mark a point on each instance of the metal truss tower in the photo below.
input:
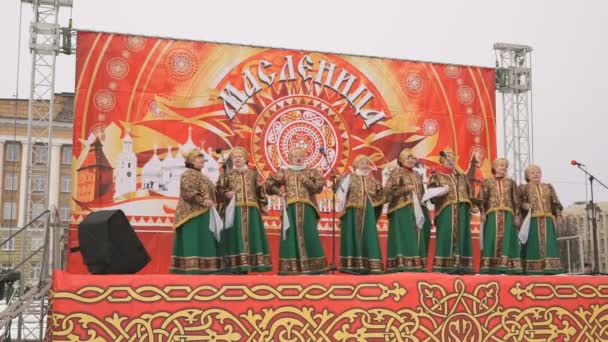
(513, 81)
(29, 303)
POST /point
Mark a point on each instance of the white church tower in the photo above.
(125, 172)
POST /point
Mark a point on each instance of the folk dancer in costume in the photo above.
(194, 244)
(540, 253)
(243, 243)
(409, 227)
(454, 251)
(300, 250)
(362, 198)
(498, 202)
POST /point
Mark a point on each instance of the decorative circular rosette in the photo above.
(135, 43)
(414, 83)
(118, 68)
(300, 121)
(465, 95)
(452, 71)
(478, 152)
(474, 124)
(98, 130)
(105, 100)
(181, 64)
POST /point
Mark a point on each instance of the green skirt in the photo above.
(359, 245)
(540, 255)
(244, 246)
(454, 252)
(301, 251)
(501, 252)
(194, 248)
(425, 237)
(403, 252)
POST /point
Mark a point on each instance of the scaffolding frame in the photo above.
(514, 82)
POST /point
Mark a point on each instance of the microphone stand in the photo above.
(456, 177)
(596, 257)
(332, 266)
(222, 249)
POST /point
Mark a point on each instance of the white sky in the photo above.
(569, 60)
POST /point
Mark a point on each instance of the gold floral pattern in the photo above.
(546, 291)
(300, 186)
(362, 188)
(396, 191)
(195, 189)
(247, 186)
(542, 198)
(460, 190)
(438, 311)
(498, 194)
(261, 292)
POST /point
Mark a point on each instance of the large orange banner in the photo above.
(142, 102)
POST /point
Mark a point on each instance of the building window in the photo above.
(35, 271)
(6, 267)
(66, 184)
(8, 245)
(37, 210)
(39, 184)
(39, 154)
(10, 182)
(66, 155)
(36, 243)
(10, 211)
(12, 151)
(64, 213)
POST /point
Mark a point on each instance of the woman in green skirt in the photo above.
(454, 249)
(409, 228)
(300, 251)
(540, 253)
(498, 202)
(362, 196)
(194, 246)
(243, 243)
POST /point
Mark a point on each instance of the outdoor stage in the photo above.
(142, 103)
(396, 307)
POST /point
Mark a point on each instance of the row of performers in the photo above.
(200, 248)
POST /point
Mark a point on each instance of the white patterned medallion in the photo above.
(118, 68)
(104, 100)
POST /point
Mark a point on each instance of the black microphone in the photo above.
(575, 163)
(450, 161)
(323, 151)
(219, 151)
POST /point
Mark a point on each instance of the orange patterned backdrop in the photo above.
(142, 102)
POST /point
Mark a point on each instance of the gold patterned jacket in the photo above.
(362, 187)
(460, 190)
(300, 186)
(246, 185)
(542, 199)
(396, 186)
(498, 194)
(195, 189)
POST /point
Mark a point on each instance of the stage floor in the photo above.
(392, 307)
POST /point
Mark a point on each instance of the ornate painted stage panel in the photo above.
(397, 307)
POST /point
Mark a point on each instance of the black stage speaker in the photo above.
(109, 244)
